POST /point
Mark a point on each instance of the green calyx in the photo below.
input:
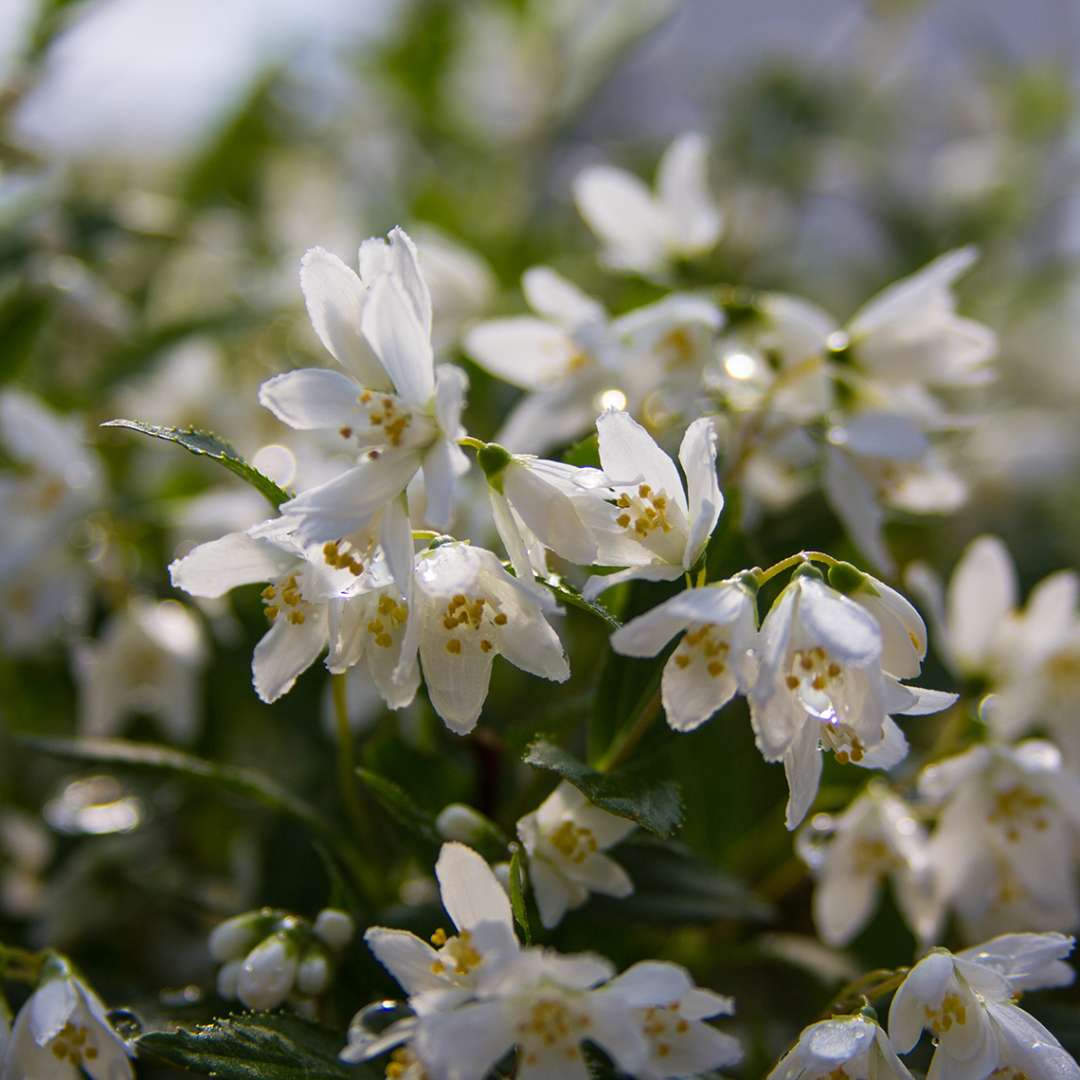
(807, 570)
(848, 579)
(493, 459)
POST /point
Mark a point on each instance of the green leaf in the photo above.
(205, 444)
(254, 1046)
(585, 453)
(247, 783)
(654, 804)
(517, 893)
(400, 806)
(573, 598)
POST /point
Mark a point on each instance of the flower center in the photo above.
(469, 614)
(573, 842)
(873, 856)
(1016, 808)
(285, 598)
(343, 555)
(456, 954)
(73, 1044)
(644, 512)
(385, 413)
(662, 1026)
(404, 1065)
(552, 1026)
(676, 347)
(708, 642)
(952, 1011)
(390, 614)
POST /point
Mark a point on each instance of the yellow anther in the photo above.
(715, 668)
(454, 646)
(438, 939)
(485, 645)
(500, 619)
(296, 618)
(271, 611)
(681, 660)
(644, 490)
(268, 593)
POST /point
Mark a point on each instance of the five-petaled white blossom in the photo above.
(565, 838)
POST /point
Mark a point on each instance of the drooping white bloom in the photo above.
(659, 529)
(448, 969)
(711, 663)
(966, 1002)
(876, 839)
(910, 331)
(63, 1030)
(393, 407)
(1009, 819)
(465, 610)
(297, 601)
(852, 1047)
(565, 838)
(672, 1012)
(148, 660)
(646, 232)
(821, 684)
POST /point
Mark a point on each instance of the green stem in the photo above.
(623, 744)
(346, 759)
(20, 965)
(471, 443)
(761, 576)
(865, 989)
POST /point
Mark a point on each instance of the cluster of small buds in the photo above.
(269, 956)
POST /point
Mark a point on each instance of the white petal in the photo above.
(903, 631)
(857, 506)
(1028, 961)
(510, 532)
(312, 398)
(549, 513)
(465, 1042)
(457, 683)
(651, 982)
(525, 352)
(395, 538)
(691, 695)
(406, 957)
(981, 594)
(212, 569)
(441, 467)
(550, 892)
(924, 985)
(600, 583)
(451, 384)
(698, 456)
(404, 262)
(394, 332)
(843, 902)
(802, 765)
(881, 435)
(284, 652)
(620, 209)
(335, 302)
(50, 1007)
(551, 295)
(926, 702)
(629, 455)
(470, 891)
(851, 634)
(682, 185)
(601, 874)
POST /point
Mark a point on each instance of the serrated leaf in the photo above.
(254, 1046)
(656, 805)
(206, 444)
(561, 591)
(400, 806)
(517, 893)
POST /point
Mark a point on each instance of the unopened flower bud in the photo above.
(268, 972)
(460, 822)
(228, 978)
(313, 974)
(335, 927)
(233, 938)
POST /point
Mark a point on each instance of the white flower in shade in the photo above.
(711, 662)
(147, 660)
(910, 331)
(877, 459)
(966, 1002)
(658, 529)
(63, 1032)
(851, 1047)
(820, 685)
(1009, 820)
(539, 504)
(446, 972)
(297, 601)
(646, 232)
(876, 839)
(465, 610)
(565, 838)
(679, 1042)
(392, 406)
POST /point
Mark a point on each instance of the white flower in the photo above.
(966, 1002)
(63, 1030)
(464, 611)
(678, 1041)
(644, 232)
(852, 1047)
(711, 663)
(148, 660)
(820, 684)
(565, 838)
(432, 975)
(910, 331)
(875, 839)
(539, 504)
(393, 408)
(1008, 823)
(297, 601)
(658, 530)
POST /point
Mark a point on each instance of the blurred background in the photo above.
(163, 166)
